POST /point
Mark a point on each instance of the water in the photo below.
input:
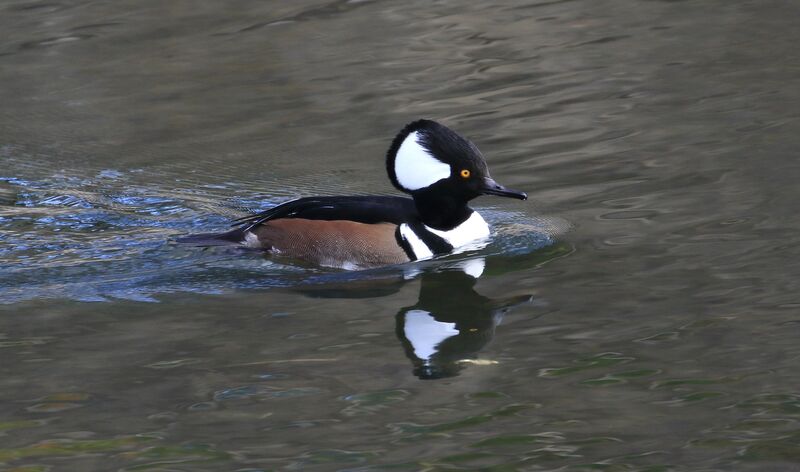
(639, 312)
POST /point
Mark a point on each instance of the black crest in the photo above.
(442, 142)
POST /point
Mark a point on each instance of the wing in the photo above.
(363, 209)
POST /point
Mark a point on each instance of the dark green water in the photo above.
(639, 312)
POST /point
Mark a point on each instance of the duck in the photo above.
(440, 170)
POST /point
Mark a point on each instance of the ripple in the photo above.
(55, 40)
(97, 239)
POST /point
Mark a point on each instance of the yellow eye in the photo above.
(465, 173)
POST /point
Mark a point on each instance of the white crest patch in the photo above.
(415, 167)
(474, 229)
(425, 333)
(421, 250)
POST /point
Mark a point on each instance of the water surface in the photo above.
(638, 312)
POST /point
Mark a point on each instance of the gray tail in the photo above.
(230, 238)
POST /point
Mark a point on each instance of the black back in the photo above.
(367, 209)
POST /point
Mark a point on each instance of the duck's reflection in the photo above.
(451, 322)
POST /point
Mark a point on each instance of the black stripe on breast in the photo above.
(437, 244)
(403, 243)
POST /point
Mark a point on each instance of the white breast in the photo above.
(471, 234)
(421, 250)
(474, 229)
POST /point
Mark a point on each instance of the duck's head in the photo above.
(430, 158)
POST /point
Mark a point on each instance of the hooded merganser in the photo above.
(442, 172)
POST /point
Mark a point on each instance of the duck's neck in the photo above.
(441, 213)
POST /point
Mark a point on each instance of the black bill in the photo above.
(490, 187)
